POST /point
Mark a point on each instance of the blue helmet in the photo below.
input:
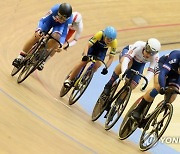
(110, 32)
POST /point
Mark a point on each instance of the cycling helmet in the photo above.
(152, 46)
(65, 10)
(77, 18)
(110, 32)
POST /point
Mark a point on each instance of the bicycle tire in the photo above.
(128, 123)
(115, 108)
(15, 70)
(82, 86)
(32, 63)
(154, 117)
(100, 106)
(26, 71)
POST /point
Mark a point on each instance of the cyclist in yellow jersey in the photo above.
(97, 46)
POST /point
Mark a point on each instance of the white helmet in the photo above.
(152, 46)
(77, 18)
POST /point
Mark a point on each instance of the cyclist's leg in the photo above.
(52, 44)
(75, 71)
(101, 55)
(117, 70)
(147, 100)
(25, 49)
(28, 45)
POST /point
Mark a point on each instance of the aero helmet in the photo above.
(65, 10)
(152, 46)
(110, 32)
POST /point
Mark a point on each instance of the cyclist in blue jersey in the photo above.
(167, 73)
(57, 20)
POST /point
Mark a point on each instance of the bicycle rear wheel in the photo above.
(155, 127)
(15, 70)
(80, 86)
(117, 108)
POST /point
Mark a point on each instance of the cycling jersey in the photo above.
(168, 69)
(98, 43)
(135, 52)
(50, 21)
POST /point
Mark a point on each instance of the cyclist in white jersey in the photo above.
(75, 29)
(135, 56)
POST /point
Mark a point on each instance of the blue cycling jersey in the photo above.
(49, 21)
(170, 64)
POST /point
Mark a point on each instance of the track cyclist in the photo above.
(57, 20)
(97, 46)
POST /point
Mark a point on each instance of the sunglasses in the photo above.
(61, 17)
(109, 39)
(150, 50)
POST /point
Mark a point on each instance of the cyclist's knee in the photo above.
(96, 66)
(56, 35)
(118, 69)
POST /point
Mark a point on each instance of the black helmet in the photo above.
(65, 10)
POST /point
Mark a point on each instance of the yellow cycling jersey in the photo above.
(98, 41)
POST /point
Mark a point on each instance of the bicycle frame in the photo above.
(128, 83)
(34, 58)
(119, 101)
(77, 83)
(167, 96)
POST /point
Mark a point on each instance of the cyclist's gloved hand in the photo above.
(85, 58)
(104, 71)
(162, 91)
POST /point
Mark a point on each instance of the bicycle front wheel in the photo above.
(117, 108)
(16, 70)
(155, 127)
(27, 70)
(80, 86)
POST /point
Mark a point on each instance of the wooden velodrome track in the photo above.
(33, 119)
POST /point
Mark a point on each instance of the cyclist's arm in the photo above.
(168, 65)
(113, 47)
(77, 34)
(65, 30)
(63, 35)
(92, 41)
(162, 77)
(163, 73)
(127, 58)
(150, 71)
(85, 52)
(110, 60)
